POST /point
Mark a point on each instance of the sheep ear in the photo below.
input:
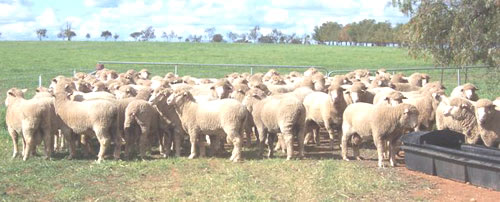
(11, 93)
(240, 90)
(24, 90)
(212, 87)
(54, 80)
(37, 90)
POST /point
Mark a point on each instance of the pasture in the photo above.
(321, 176)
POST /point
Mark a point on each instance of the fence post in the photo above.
(466, 72)
(251, 70)
(175, 70)
(442, 72)
(458, 77)
(40, 80)
(74, 72)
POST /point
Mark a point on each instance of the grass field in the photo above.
(321, 177)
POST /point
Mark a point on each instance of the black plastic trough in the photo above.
(443, 153)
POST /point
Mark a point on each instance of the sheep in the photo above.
(497, 103)
(83, 86)
(404, 87)
(99, 86)
(310, 71)
(31, 117)
(210, 118)
(278, 114)
(381, 122)
(458, 114)
(143, 74)
(142, 122)
(426, 104)
(99, 117)
(339, 80)
(398, 78)
(169, 115)
(488, 118)
(418, 79)
(467, 91)
(326, 110)
(239, 92)
(390, 97)
(80, 96)
(358, 93)
(125, 91)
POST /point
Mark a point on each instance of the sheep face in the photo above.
(336, 93)
(180, 97)
(458, 109)
(484, 110)
(409, 119)
(144, 74)
(469, 92)
(160, 96)
(425, 79)
(221, 91)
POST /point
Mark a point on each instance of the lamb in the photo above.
(278, 114)
(32, 118)
(398, 78)
(358, 93)
(458, 114)
(467, 91)
(324, 110)
(311, 71)
(382, 123)
(210, 118)
(98, 116)
(426, 104)
(404, 87)
(239, 92)
(390, 97)
(142, 122)
(488, 118)
(125, 91)
(143, 74)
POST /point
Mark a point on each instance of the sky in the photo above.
(20, 18)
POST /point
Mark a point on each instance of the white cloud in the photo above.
(47, 18)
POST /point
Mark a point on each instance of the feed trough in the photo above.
(443, 153)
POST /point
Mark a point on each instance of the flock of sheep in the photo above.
(130, 111)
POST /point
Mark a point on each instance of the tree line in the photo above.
(329, 33)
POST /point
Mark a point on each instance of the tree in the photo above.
(148, 33)
(87, 36)
(172, 35)
(458, 32)
(41, 33)
(217, 38)
(164, 35)
(194, 38)
(344, 34)
(210, 32)
(66, 32)
(180, 38)
(106, 34)
(328, 32)
(135, 35)
(233, 36)
(116, 36)
(266, 39)
(254, 33)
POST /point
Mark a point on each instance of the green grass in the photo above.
(317, 178)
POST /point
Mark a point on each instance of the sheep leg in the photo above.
(28, 134)
(236, 155)
(289, 145)
(167, 143)
(104, 142)
(262, 140)
(177, 144)
(270, 142)
(143, 142)
(345, 140)
(69, 137)
(13, 134)
(379, 143)
(280, 144)
(128, 141)
(256, 132)
(193, 136)
(392, 150)
(301, 142)
(47, 141)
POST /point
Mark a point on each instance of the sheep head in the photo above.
(409, 118)
(484, 109)
(336, 92)
(469, 91)
(458, 108)
(144, 74)
(14, 93)
(394, 98)
(179, 97)
(356, 92)
(222, 88)
(160, 95)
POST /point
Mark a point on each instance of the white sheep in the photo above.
(467, 91)
(98, 116)
(458, 114)
(283, 114)
(488, 119)
(325, 110)
(32, 118)
(381, 122)
(218, 117)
